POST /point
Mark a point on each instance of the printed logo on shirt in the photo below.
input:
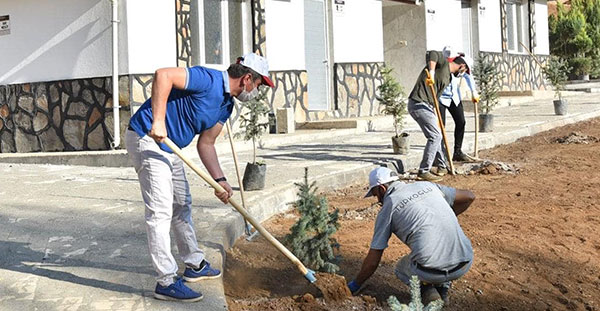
(417, 196)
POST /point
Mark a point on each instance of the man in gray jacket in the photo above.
(423, 216)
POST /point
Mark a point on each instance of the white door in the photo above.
(315, 45)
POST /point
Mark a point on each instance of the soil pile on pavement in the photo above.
(492, 168)
(576, 138)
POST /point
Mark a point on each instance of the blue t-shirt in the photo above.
(204, 101)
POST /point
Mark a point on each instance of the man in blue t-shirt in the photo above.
(423, 216)
(185, 102)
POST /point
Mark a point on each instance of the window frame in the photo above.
(225, 32)
(520, 24)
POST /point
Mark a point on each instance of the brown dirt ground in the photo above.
(535, 237)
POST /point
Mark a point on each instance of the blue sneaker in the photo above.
(177, 292)
(207, 272)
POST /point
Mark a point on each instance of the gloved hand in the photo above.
(354, 287)
(475, 99)
(429, 81)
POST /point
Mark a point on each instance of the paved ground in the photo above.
(73, 238)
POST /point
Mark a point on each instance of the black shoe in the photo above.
(443, 290)
(429, 293)
(463, 157)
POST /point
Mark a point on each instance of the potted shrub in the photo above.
(253, 128)
(556, 71)
(488, 78)
(582, 66)
(393, 102)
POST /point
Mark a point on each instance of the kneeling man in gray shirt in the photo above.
(423, 216)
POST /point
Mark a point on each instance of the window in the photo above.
(517, 25)
(226, 31)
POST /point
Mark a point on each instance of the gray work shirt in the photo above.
(420, 215)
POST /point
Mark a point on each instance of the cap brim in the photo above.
(267, 81)
(370, 192)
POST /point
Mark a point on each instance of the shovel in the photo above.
(441, 124)
(308, 274)
(248, 228)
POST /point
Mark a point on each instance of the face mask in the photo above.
(245, 96)
(459, 73)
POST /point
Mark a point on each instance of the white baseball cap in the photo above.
(258, 64)
(469, 62)
(379, 176)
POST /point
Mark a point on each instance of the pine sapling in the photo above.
(392, 98)
(556, 72)
(310, 237)
(415, 302)
(251, 125)
(489, 79)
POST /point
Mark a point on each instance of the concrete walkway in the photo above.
(73, 237)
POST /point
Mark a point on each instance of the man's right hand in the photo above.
(225, 195)
(158, 131)
(429, 81)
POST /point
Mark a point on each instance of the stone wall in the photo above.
(184, 37)
(355, 85)
(259, 33)
(290, 90)
(520, 72)
(59, 116)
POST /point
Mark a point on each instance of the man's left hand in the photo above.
(224, 196)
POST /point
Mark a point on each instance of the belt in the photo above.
(431, 270)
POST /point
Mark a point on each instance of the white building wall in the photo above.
(285, 34)
(151, 41)
(541, 28)
(72, 39)
(490, 28)
(358, 32)
(443, 24)
(55, 40)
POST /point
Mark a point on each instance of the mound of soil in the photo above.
(332, 286)
(576, 138)
(534, 234)
(491, 168)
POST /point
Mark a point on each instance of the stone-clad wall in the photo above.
(290, 91)
(259, 34)
(59, 116)
(355, 86)
(520, 72)
(141, 89)
(183, 30)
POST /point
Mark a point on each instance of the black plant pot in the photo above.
(401, 144)
(486, 123)
(254, 176)
(560, 107)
